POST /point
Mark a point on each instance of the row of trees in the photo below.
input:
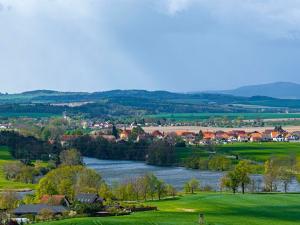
(28, 147)
(215, 163)
(144, 187)
(277, 170)
(281, 169)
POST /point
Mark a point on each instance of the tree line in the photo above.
(156, 153)
(28, 147)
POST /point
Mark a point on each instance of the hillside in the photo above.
(219, 209)
(281, 90)
(138, 102)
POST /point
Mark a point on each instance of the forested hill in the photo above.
(138, 102)
(284, 90)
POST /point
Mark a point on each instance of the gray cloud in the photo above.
(162, 44)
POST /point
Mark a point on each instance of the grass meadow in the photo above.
(259, 152)
(5, 157)
(218, 208)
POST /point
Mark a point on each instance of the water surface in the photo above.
(117, 171)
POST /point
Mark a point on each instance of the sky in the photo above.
(175, 45)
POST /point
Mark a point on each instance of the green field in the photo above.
(6, 184)
(219, 209)
(205, 116)
(254, 151)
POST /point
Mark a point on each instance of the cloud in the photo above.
(275, 18)
(153, 44)
(177, 6)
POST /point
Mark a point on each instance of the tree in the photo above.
(271, 174)
(160, 189)
(219, 163)
(242, 172)
(171, 190)
(200, 135)
(8, 200)
(144, 184)
(161, 153)
(230, 181)
(12, 169)
(69, 180)
(135, 132)
(191, 186)
(186, 187)
(115, 132)
(70, 157)
(285, 176)
(105, 192)
(89, 181)
(152, 179)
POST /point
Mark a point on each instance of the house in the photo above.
(291, 137)
(125, 134)
(274, 134)
(232, 139)
(207, 135)
(88, 198)
(239, 132)
(243, 138)
(266, 135)
(66, 139)
(255, 137)
(55, 200)
(221, 135)
(188, 137)
(279, 138)
(35, 209)
(157, 134)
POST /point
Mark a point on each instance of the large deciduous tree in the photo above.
(69, 180)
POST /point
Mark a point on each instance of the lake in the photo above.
(117, 171)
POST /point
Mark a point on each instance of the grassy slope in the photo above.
(254, 151)
(5, 157)
(219, 209)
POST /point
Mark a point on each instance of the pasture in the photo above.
(259, 152)
(218, 208)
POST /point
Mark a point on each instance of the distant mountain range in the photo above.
(276, 97)
(283, 90)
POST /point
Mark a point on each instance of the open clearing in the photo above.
(218, 208)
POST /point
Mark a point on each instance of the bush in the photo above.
(46, 214)
(89, 209)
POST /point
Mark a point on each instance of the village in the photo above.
(277, 134)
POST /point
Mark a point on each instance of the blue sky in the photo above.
(176, 45)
